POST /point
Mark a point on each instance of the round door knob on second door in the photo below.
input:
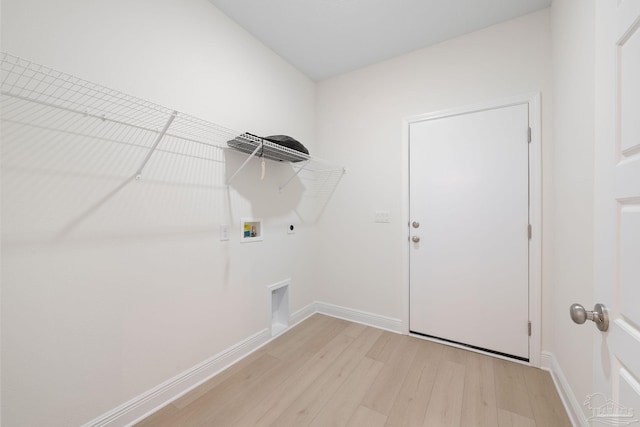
(599, 315)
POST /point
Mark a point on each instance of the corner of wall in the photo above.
(569, 400)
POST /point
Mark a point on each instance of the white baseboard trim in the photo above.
(549, 363)
(303, 314)
(369, 319)
(149, 402)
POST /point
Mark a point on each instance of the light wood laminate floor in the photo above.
(330, 372)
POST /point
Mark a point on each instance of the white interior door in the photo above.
(616, 396)
(469, 208)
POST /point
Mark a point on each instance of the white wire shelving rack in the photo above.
(37, 95)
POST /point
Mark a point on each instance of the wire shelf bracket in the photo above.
(163, 132)
(300, 169)
(251, 156)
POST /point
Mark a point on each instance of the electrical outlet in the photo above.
(224, 233)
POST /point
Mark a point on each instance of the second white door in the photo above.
(469, 216)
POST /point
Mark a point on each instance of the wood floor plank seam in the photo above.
(331, 372)
(306, 406)
(276, 402)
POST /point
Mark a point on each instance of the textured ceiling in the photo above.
(324, 38)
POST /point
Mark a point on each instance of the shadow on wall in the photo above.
(303, 188)
(72, 153)
(59, 184)
(266, 195)
(66, 176)
(77, 179)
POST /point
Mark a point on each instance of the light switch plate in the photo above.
(224, 233)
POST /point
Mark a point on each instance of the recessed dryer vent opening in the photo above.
(279, 307)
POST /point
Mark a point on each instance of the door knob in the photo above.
(599, 315)
(415, 239)
(415, 224)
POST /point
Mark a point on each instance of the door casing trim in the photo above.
(535, 208)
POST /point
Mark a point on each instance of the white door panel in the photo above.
(629, 55)
(630, 264)
(617, 187)
(469, 192)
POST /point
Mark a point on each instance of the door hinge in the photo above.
(529, 328)
(529, 231)
(529, 135)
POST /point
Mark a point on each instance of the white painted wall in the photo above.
(573, 29)
(360, 124)
(142, 289)
(100, 305)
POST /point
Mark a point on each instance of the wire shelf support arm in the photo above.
(161, 135)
